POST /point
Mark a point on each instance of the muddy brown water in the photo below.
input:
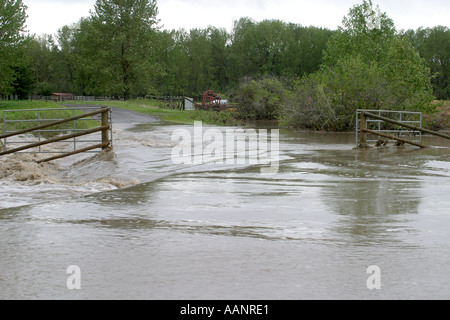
(140, 227)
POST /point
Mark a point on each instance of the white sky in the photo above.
(47, 16)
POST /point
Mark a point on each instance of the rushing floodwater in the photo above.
(140, 227)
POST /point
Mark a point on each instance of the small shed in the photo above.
(189, 103)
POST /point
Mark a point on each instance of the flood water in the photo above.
(139, 226)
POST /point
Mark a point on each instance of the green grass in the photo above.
(30, 114)
(155, 108)
(149, 107)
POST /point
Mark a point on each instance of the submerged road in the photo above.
(120, 115)
(140, 226)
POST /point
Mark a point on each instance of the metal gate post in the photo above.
(362, 133)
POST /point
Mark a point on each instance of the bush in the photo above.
(327, 100)
(261, 99)
(440, 119)
(307, 107)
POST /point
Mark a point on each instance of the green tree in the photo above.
(63, 59)
(259, 48)
(173, 58)
(89, 71)
(200, 61)
(371, 35)
(12, 28)
(276, 48)
(242, 52)
(365, 31)
(219, 40)
(115, 44)
(39, 51)
(22, 85)
(436, 53)
(306, 52)
(433, 45)
(408, 77)
(367, 65)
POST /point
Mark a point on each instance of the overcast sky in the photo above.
(47, 16)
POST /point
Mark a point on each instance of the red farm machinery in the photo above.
(212, 102)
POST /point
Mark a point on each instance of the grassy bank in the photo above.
(436, 121)
(30, 114)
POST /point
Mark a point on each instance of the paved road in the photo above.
(120, 115)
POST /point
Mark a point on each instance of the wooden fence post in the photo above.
(362, 133)
(105, 133)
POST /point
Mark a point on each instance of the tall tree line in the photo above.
(121, 50)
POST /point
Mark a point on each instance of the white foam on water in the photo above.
(23, 181)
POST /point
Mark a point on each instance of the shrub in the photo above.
(327, 100)
(261, 99)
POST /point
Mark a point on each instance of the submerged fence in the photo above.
(43, 131)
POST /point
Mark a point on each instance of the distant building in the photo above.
(62, 96)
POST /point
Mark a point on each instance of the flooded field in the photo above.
(139, 226)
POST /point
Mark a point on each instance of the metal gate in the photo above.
(391, 125)
(31, 140)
